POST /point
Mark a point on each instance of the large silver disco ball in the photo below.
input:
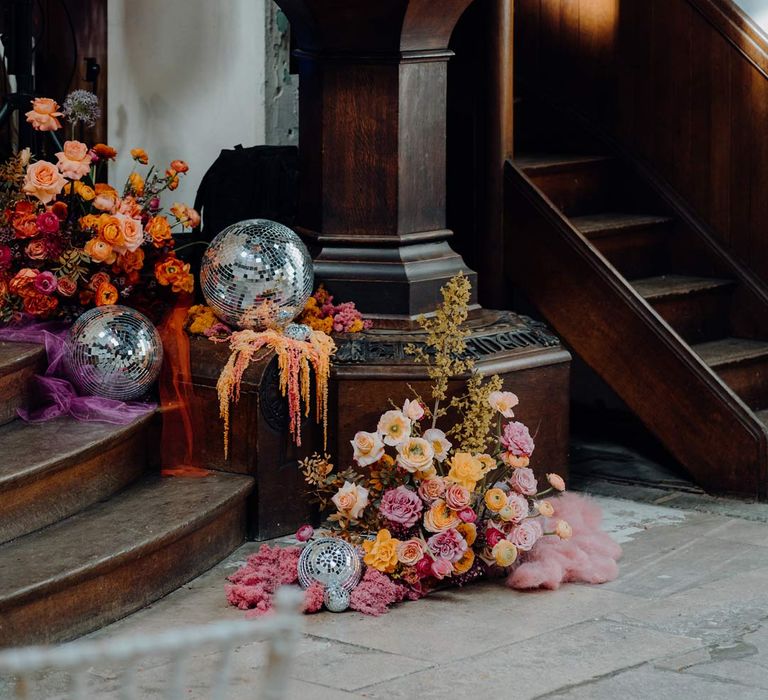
(332, 562)
(113, 351)
(257, 274)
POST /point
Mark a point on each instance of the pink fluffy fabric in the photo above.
(590, 556)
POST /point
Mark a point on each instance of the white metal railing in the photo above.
(281, 630)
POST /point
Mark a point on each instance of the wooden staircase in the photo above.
(641, 291)
(88, 531)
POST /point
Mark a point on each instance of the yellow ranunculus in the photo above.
(465, 470)
(488, 462)
(505, 553)
(381, 553)
(468, 531)
(495, 499)
(440, 517)
(465, 563)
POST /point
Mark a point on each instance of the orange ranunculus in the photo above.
(140, 155)
(43, 114)
(160, 230)
(85, 296)
(43, 180)
(130, 261)
(106, 294)
(173, 183)
(82, 190)
(98, 279)
(41, 305)
(106, 198)
(111, 230)
(60, 209)
(173, 272)
(104, 152)
(136, 184)
(130, 207)
(185, 215)
(100, 251)
(23, 281)
(180, 166)
(89, 221)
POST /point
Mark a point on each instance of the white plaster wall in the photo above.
(186, 79)
(757, 9)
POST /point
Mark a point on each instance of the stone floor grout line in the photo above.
(590, 681)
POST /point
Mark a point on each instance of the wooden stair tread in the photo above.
(145, 517)
(14, 356)
(727, 351)
(539, 164)
(596, 225)
(762, 416)
(654, 288)
(63, 441)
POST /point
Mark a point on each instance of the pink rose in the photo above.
(74, 160)
(401, 505)
(45, 282)
(43, 180)
(457, 497)
(467, 515)
(6, 256)
(432, 489)
(518, 505)
(493, 536)
(525, 535)
(47, 222)
(448, 544)
(517, 440)
(441, 568)
(523, 481)
(304, 533)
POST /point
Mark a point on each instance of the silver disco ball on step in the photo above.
(114, 352)
(257, 274)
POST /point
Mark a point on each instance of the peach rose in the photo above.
(43, 180)
(415, 455)
(106, 198)
(368, 447)
(432, 489)
(410, 552)
(394, 427)
(67, 286)
(556, 482)
(351, 500)
(43, 114)
(457, 497)
(133, 233)
(503, 402)
(74, 160)
(22, 281)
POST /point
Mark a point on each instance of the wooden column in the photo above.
(372, 148)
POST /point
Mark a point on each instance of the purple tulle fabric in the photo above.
(51, 395)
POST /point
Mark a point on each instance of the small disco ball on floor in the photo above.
(114, 352)
(257, 274)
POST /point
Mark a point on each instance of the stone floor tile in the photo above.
(459, 623)
(743, 672)
(534, 667)
(648, 683)
(745, 532)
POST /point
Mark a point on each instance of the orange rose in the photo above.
(106, 294)
(130, 261)
(66, 286)
(43, 180)
(36, 250)
(179, 166)
(40, 304)
(105, 152)
(106, 198)
(111, 230)
(98, 279)
(140, 155)
(99, 251)
(43, 114)
(22, 282)
(160, 230)
(24, 226)
(74, 160)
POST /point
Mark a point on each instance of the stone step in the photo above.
(18, 363)
(117, 556)
(54, 469)
(742, 364)
(698, 308)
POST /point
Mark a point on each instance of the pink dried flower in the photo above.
(313, 598)
(375, 593)
(524, 481)
(402, 506)
(517, 440)
(448, 544)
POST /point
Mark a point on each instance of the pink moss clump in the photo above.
(375, 593)
(313, 598)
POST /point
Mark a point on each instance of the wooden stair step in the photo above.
(117, 556)
(547, 163)
(742, 364)
(53, 469)
(762, 416)
(18, 363)
(633, 243)
(696, 307)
